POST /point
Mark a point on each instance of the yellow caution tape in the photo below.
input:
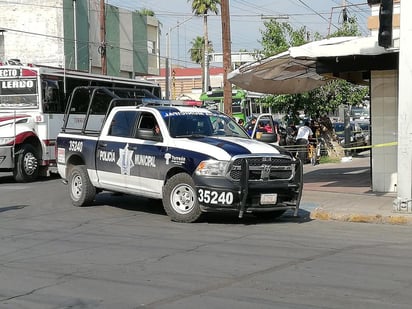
(372, 146)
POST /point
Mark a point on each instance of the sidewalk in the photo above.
(342, 191)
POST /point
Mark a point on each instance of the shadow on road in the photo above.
(6, 178)
(8, 208)
(152, 206)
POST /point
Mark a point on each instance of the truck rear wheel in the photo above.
(27, 164)
(81, 190)
(180, 199)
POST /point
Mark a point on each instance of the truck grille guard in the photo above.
(256, 168)
(263, 168)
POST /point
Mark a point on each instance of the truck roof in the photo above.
(169, 109)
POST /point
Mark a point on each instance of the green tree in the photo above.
(146, 12)
(349, 28)
(197, 50)
(278, 37)
(318, 102)
(203, 7)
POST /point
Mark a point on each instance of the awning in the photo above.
(294, 71)
(278, 74)
(340, 46)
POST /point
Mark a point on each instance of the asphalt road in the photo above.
(124, 252)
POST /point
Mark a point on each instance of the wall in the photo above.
(126, 41)
(1, 45)
(140, 39)
(78, 41)
(404, 196)
(153, 57)
(113, 46)
(31, 35)
(384, 122)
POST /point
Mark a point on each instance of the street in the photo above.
(124, 252)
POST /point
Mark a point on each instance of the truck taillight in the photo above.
(26, 72)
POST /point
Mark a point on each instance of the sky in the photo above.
(246, 21)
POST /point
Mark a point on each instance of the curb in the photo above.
(321, 214)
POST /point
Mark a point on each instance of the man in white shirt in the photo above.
(302, 140)
(304, 132)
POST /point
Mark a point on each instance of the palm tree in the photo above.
(197, 50)
(202, 7)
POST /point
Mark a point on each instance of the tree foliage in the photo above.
(203, 7)
(349, 28)
(278, 37)
(197, 50)
(146, 12)
(318, 102)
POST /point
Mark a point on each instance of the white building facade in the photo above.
(66, 33)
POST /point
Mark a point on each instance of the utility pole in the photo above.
(168, 64)
(403, 202)
(205, 72)
(75, 33)
(102, 48)
(227, 57)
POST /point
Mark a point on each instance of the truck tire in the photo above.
(27, 164)
(81, 190)
(180, 199)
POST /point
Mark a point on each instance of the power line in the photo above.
(81, 42)
(320, 15)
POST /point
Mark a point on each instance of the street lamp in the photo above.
(168, 71)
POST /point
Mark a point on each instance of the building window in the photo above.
(151, 47)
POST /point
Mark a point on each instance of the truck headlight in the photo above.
(212, 168)
(6, 140)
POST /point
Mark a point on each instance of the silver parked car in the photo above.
(357, 135)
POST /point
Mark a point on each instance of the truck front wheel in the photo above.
(27, 164)
(81, 190)
(180, 199)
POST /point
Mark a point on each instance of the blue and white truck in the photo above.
(200, 161)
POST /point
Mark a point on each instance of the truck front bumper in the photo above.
(222, 194)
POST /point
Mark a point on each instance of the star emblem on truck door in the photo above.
(125, 161)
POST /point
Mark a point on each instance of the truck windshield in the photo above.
(18, 93)
(200, 125)
(18, 101)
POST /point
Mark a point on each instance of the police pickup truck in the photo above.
(195, 160)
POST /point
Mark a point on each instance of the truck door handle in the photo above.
(102, 146)
(132, 147)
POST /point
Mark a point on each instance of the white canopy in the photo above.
(340, 46)
(294, 71)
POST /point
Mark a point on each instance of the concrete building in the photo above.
(66, 33)
(186, 83)
(384, 109)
